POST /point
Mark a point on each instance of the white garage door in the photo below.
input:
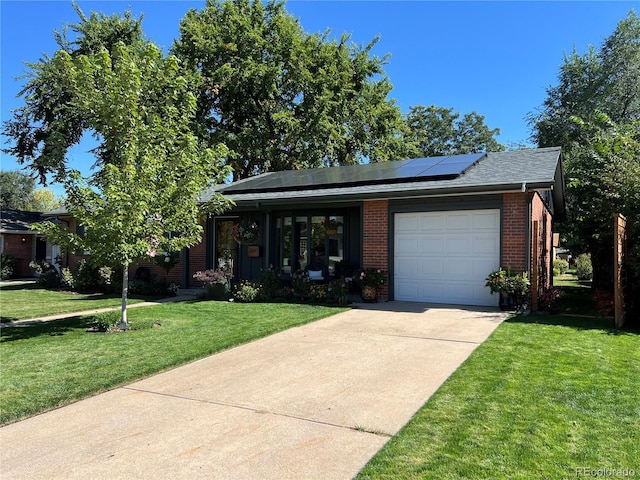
(444, 257)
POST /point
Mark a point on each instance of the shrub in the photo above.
(7, 265)
(561, 265)
(246, 292)
(48, 276)
(91, 277)
(584, 269)
(548, 299)
(66, 278)
(301, 284)
(268, 281)
(337, 291)
(154, 286)
(604, 303)
(318, 292)
(217, 291)
(212, 277)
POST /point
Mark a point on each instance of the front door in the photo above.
(226, 248)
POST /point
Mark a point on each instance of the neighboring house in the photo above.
(437, 225)
(17, 239)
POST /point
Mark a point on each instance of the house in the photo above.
(17, 239)
(438, 225)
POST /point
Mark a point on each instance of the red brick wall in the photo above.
(541, 214)
(514, 231)
(197, 261)
(375, 238)
(23, 251)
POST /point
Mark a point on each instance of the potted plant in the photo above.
(369, 279)
(513, 289)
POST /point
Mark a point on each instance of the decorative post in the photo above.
(619, 242)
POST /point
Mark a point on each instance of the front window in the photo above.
(313, 242)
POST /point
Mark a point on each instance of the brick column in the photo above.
(375, 239)
(514, 231)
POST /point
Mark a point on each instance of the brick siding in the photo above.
(23, 251)
(514, 231)
(541, 214)
(375, 238)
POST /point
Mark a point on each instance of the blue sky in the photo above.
(493, 57)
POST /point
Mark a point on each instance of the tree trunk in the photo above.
(125, 290)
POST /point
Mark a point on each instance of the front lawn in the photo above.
(544, 397)
(52, 364)
(21, 302)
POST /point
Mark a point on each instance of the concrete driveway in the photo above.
(313, 402)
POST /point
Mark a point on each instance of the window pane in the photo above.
(318, 241)
(335, 235)
(302, 235)
(286, 252)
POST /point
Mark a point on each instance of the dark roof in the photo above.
(531, 169)
(18, 221)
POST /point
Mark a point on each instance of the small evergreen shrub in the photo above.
(584, 269)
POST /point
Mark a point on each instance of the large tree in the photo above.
(603, 80)
(593, 114)
(16, 190)
(440, 131)
(280, 98)
(151, 168)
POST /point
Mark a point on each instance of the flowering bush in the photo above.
(245, 232)
(370, 277)
(211, 277)
(246, 292)
(318, 292)
(548, 299)
(605, 303)
(337, 291)
(301, 284)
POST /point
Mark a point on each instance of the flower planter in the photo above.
(369, 294)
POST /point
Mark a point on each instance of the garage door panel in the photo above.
(485, 244)
(447, 256)
(485, 221)
(408, 246)
(432, 245)
(407, 223)
(458, 245)
(459, 221)
(408, 267)
(431, 223)
(457, 269)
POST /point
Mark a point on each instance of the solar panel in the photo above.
(401, 171)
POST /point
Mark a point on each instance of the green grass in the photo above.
(21, 302)
(577, 297)
(543, 396)
(53, 364)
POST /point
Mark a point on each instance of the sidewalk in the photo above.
(183, 295)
